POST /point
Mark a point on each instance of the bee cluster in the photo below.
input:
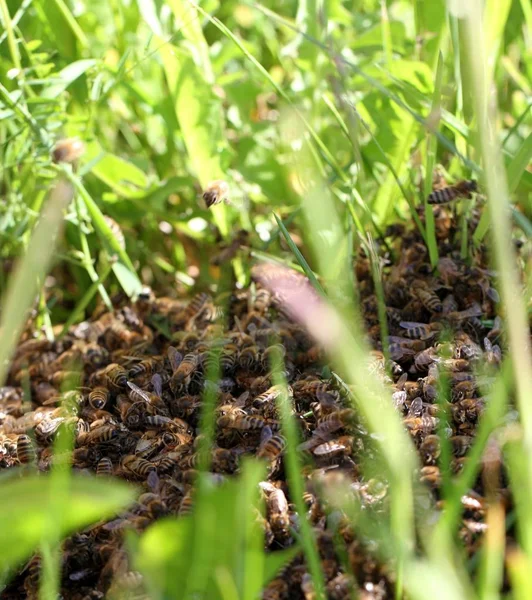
(134, 401)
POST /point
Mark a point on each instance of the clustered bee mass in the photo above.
(135, 396)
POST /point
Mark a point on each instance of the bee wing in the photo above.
(174, 357)
(265, 434)
(410, 324)
(416, 408)
(153, 481)
(140, 392)
(401, 381)
(315, 440)
(329, 447)
(487, 344)
(157, 383)
(493, 295)
(242, 399)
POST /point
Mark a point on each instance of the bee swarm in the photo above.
(135, 412)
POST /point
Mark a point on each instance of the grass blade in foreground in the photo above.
(31, 270)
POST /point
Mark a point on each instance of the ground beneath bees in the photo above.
(135, 409)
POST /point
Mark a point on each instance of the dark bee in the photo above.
(462, 189)
(25, 449)
(216, 191)
(98, 397)
(104, 467)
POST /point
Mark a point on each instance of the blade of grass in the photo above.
(518, 165)
(72, 23)
(84, 302)
(11, 42)
(32, 268)
(516, 125)
(519, 567)
(432, 147)
(519, 341)
(299, 257)
(295, 479)
(492, 555)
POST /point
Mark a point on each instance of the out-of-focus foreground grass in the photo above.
(168, 96)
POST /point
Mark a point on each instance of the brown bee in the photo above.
(241, 422)
(138, 466)
(340, 447)
(148, 366)
(115, 376)
(339, 419)
(249, 358)
(116, 230)
(230, 250)
(104, 467)
(420, 331)
(462, 189)
(98, 397)
(277, 589)
(102, 434)
(25, 449)
(427, 297)
(277, 508)
(263, 300)
(432, 476)
(68, 150)
(183, 368)
(187, 504)
(271, 446)
(216, 191)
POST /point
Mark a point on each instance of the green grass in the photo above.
(352, 119)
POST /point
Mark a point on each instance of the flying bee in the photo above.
(98, 397)
(138, 466)
(462, 189)
(104, 467)
(216, 191)
(420, 331)
(68, 150)
(25, 449)
(230, 250)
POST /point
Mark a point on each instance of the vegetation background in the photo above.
(167, 95)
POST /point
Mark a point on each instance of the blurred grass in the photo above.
(165, 102)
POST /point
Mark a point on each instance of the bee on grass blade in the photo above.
(68, 150)
(216, 191)
(452, 192)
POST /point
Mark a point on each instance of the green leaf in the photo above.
(519, 164)
(199, 115)
(67, 76)
(28, 502)
(121, 176)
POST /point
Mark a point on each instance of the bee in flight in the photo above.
(216, 191)
(452, 192)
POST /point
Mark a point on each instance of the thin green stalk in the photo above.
(300, 258)
(23, 284)
(72, 23)
(295, 479)
(84, 302)
(432, 147)
(519, 340)
(11, 41)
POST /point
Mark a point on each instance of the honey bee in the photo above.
(431, 475)
(138, 466)
(183, 368)
(99, 397)
(104, 467)
(430, 449)
(460, 444)
(428, 298)
(277, 589)
(420, 331)
(187, 504)
(68, 150)
(25, 449)
(462, 189)
(277, 509)
(116, 230)
(250, 358)
(272, 446)
(230, 250)
(340, 447)
(31, 582)
(341, 587)
(425, 424)
(98, 435)
(263, 300)
(115, 376)
(224, 460)
(270, 395)
(241, 422)
(216, 191)
(339, 419)
(148, 366)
